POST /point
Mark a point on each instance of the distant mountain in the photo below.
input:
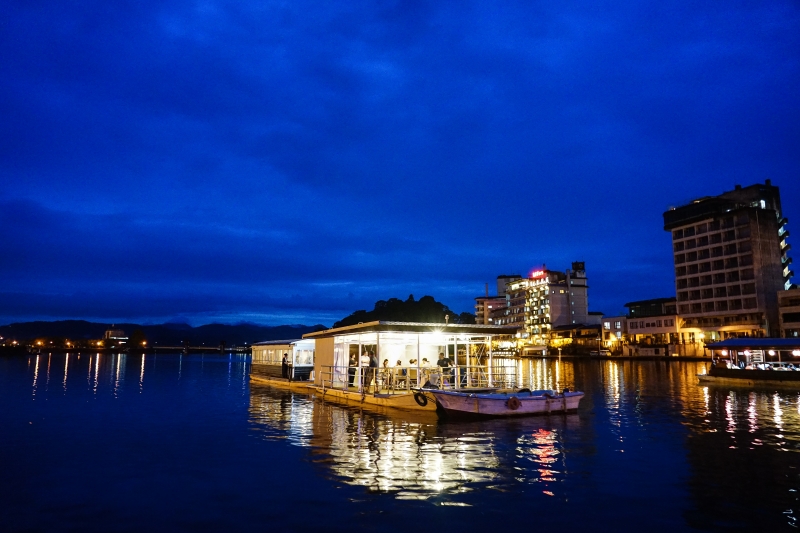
(163, 334)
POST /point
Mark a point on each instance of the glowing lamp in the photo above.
(796, 353)
(724, 352)
(771, 352)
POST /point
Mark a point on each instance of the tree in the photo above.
(426, 309)
(137, 340)
(466, 318)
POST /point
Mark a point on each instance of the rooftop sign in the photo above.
(538, 272)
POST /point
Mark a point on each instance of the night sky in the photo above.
(290, 162)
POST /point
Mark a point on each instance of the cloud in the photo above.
(222, 155)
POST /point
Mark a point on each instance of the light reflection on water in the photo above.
(647, 440)
(641, 406)
(413, 455)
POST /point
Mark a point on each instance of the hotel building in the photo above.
(546, 299)
(730, 261)
(789, 309)
(486, 305)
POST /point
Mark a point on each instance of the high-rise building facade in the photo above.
(730, 261)
(487, 306)
(545, 299)
(789, 310)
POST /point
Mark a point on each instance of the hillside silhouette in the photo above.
(426, 309)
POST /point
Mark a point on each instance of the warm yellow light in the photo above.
(701, 336)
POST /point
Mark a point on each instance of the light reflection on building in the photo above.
(411, 455)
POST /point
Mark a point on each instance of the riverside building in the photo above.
(655, 329)
(789, 309)
(544, 300)
(487, 307)
(730, 254)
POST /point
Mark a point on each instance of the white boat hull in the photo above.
(500, 404)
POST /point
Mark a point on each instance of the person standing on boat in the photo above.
(351, 370)
(362, 369)
(373, 369)
(442, 363)
(285, 366)
(387, 378)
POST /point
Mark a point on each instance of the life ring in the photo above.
(513, 403)
(421, 399)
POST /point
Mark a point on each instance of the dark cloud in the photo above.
(305, 159)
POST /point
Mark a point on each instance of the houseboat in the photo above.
(267, 362)
(388, 364)
(751, 361)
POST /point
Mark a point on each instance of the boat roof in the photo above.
(755, 342)
(414, 327)
(276, 342)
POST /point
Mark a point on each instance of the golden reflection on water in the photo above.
(66, 368)
(417, 456)
(411, 455)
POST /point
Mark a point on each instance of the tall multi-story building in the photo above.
(730, 261)
(545, 299)
(789, 310)
(487, 306)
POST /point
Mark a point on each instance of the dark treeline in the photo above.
(162, 334)
(78, 332)
(426, 309)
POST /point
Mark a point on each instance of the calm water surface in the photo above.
(185, 443)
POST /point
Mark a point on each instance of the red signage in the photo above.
(537, 273)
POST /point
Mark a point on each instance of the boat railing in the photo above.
(397, 379)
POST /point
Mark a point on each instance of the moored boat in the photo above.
(499, 403)
(752, 361)
(282, 361)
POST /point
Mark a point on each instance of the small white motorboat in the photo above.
(511, 403)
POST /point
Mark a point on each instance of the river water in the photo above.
(185, 443)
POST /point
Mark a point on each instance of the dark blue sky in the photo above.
(291, 162)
